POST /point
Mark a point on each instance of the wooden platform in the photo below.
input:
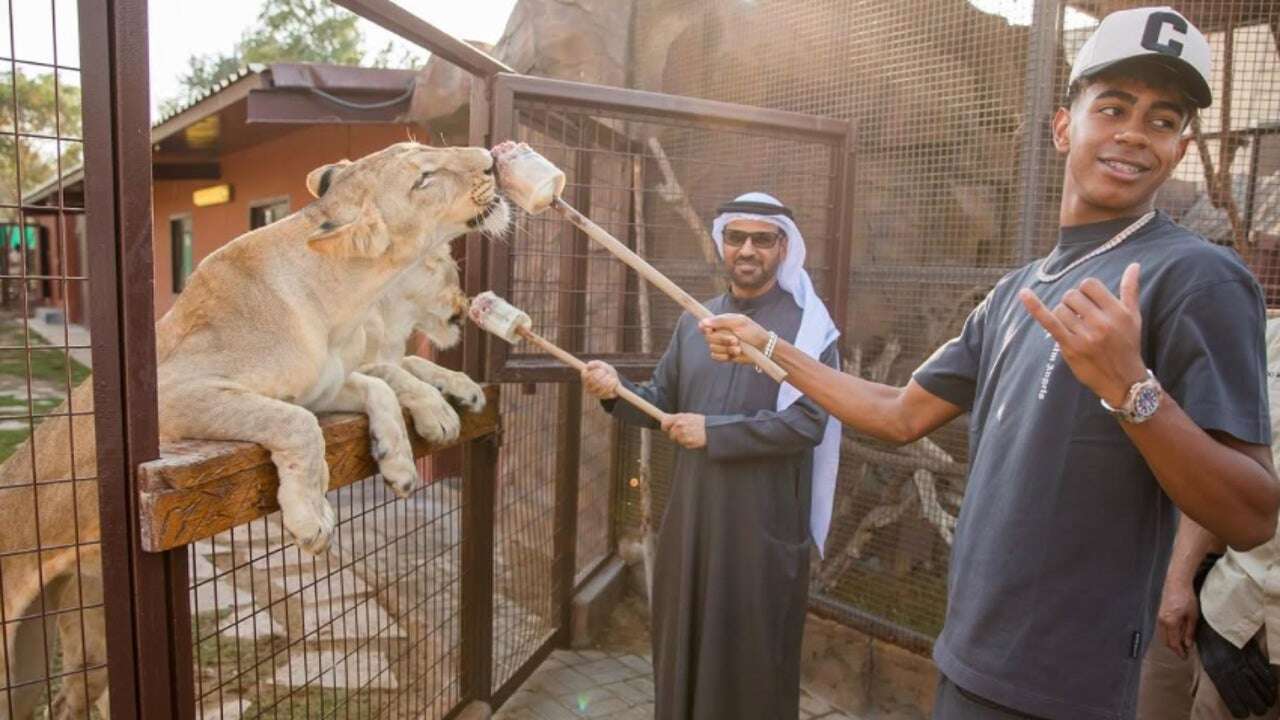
(199, 488)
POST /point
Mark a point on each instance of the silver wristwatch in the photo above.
(1141, 403)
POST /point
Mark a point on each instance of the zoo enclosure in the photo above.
(957, 183)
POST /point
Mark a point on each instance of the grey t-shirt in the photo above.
(1064, 535)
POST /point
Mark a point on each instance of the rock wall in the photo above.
(581, 40)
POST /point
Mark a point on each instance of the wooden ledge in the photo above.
(199, 488)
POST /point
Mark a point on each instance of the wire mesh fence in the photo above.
(376, 627)
(956, 183)
(596, 482)
(370, 629)
(525, 611)
(652, 179)
(1227, 186)
(52, 649)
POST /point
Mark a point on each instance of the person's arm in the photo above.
(1179, 606)
(768, 433)
(894, 414)
(601, 380)
(1226, 485)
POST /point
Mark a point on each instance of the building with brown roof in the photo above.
(232, 160)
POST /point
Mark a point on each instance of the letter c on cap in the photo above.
(1155, 24)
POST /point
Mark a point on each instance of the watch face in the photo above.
(1147, 401)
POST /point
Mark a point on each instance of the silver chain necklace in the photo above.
(1042, 276)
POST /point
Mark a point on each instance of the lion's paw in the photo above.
(400, 473)
(464, 392)
(433, 417)
(310, 520)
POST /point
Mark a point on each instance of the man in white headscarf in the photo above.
(753, 483)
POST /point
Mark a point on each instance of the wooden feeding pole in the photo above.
(534, 183)
(499, 317)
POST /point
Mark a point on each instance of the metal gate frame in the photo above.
(147, 617)
(487, 266)
(494, 90)
(506, 89)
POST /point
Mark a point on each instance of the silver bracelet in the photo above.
(768, 348)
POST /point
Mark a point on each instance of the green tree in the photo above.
(46, 110)
(286, 30)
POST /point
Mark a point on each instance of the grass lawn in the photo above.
(236, 656)
(48, 363)
(10, 440)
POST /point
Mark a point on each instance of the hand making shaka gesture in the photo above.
(1100, 335)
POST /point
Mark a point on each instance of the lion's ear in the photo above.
(365, 236)
(318, 180)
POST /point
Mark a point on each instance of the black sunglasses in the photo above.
(763, 240)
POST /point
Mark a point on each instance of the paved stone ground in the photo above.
(373, 623)
(614, 680)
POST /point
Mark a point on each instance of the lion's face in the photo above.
(406, 198)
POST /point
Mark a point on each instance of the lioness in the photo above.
(388, 216)
(227, 370)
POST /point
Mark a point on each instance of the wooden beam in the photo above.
(300, 107)
(186, 171)
(214, 103)
(416, 30)
(199, 488)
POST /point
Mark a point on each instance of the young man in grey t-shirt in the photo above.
(1109, 385)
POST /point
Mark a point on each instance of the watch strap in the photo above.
(1127, 412)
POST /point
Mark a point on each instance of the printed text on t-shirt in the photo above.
(1048, 370)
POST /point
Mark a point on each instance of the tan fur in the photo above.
(428, 299)
(53, 512)
(269, 328)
